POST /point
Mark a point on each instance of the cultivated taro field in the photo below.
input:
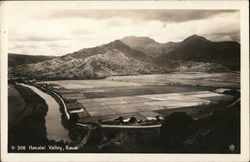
(144, 96)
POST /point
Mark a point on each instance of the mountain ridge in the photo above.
(200, 49)
(193, 48)
(19, 59)
(86, 52)
(193, 54)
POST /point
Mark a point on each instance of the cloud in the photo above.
(38, 38)
(161, 15)
(81, 31)
(224, 36)
(58, 32)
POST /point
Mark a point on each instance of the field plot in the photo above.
(145, 105)
(145, 95)
(85, 84)
(230, 80)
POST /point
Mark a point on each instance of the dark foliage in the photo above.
(31, 129)
(217, 133)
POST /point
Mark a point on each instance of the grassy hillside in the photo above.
(136, 55)
(18, 59)
(113, 62)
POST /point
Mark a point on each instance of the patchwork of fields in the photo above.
(143, 96)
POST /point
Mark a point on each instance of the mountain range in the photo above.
(137, 55)
(194, 48)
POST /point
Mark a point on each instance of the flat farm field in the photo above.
(144, 96)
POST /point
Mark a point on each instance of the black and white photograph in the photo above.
(125, 80)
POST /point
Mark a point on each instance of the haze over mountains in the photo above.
(137, 55)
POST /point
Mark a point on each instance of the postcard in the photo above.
(124, 81)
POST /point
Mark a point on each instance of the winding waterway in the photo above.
(55, 129)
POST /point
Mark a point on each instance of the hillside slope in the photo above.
(19, 59)
(199, 49)
(117, 44)
(194, 54)
(148, 45)
(112, 62)
(194, 48)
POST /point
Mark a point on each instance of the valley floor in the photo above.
(192, 105)
(144, 96)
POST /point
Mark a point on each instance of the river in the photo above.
(55, 129)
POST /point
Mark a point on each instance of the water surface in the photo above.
(55, 129)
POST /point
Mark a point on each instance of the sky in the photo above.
(58, 32)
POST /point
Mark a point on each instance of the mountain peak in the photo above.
(115, 44)
(195, 37)
(135, 39)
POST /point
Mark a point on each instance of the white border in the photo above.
(243, 6)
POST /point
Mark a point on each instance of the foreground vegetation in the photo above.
(31, 126)
(29, 129)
